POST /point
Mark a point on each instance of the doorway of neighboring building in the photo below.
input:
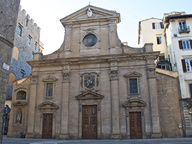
(47, 126)
(89, 122)
(135, 125)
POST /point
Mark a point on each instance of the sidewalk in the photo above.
(127, 141)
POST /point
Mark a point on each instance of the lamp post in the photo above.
(6, 112)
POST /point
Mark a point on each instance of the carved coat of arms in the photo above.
(89, 81)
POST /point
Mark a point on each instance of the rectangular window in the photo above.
(158, 25)
(162, 58)
(19, 30)
(187, 65)
(49, 89)
(133, 86)
(29, 40)
(32, 56)
(36, 46)
(159, 40)
(186, 44)
(26, 22)
(190, 89)
(182, 25)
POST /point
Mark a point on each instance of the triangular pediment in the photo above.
(48, 105)
(132, 74)
(50, 79)
(20, 103)
(96, 13)
(134, 103)
(89, 95)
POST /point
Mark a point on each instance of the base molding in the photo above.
(115, 136)
(156, 135)
(64, 136)
(30, 135)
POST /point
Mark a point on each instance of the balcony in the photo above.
(164, 64)
(184, 30)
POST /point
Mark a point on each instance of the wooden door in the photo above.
(47, 126)
(135, 125)
(89, 122)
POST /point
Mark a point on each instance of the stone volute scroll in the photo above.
(66, 77)
(89, 95)
(132, 74)
(134, 103)
(113, 74)
(48, 105)
(151, 72)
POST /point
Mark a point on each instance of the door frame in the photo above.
(96, 120)
(52, 124)
(41, 125)
(136, 122)
(142, 122)
(90, 102)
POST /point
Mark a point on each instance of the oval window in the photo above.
(89, 40)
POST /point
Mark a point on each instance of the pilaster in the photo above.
(114, 82)
(65, 103)
(32, 107)
(153, 98)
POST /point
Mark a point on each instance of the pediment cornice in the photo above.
(89, 95)
(98, 14)
(48, 105)
(134, 103)
(20, 103)
(50, 79)
(95, 59)
(132, 74)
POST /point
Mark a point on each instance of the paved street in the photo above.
(138, 141)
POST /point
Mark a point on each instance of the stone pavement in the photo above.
(127, 141)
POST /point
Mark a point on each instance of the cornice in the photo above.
(95, 59)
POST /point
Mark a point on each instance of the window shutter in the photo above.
(190, 87)
(191, 43)
(162, 26)
(180, 44)
(153, 25)
(184, 65)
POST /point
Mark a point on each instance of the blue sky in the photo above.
(47, 15)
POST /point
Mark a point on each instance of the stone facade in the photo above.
(170, 105)
(92, 87)
(8, 19)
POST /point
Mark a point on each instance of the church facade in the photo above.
(92, 87)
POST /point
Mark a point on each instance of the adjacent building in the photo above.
(95, 87)
(26, 43)
(152, 31)
(8, 19)
(178, 33)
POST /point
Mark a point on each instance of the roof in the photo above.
(173, 74)
(167, 18)
(101, 14)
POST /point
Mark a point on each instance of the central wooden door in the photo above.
(89, 122)
(47, 126)
(135, 125)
